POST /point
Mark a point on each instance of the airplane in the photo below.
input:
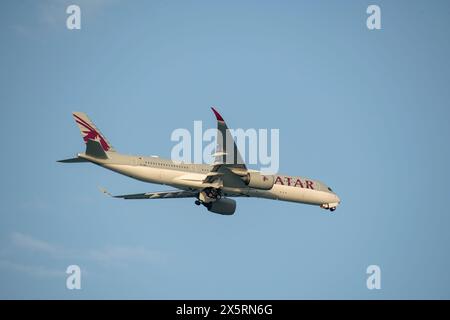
(211, 185)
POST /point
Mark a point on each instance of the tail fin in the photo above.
(90, 132)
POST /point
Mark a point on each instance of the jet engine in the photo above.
(258, 181)
(223, 206)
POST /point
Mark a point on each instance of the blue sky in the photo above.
(365, 111)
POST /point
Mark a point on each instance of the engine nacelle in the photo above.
(259, 181)
(223, 206)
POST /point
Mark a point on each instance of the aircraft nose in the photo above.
(336, 198)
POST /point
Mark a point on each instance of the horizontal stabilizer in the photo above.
(73, 160)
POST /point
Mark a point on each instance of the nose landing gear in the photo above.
(328, 206)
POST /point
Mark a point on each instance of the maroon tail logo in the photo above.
(91, 134)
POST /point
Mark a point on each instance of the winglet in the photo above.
(103, 190)
(218, 116)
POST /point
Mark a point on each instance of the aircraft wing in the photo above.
(227, 158)
(155, 195)
(227, 153)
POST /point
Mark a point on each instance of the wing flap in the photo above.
(213, 177)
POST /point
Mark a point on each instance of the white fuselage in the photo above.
(191, 176)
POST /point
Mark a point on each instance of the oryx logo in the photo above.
(91, 133)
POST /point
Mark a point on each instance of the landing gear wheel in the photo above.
(332, 209)
(197, 202)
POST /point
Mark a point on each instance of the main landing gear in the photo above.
(207, 196)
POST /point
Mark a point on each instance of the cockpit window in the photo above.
(330, 189)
